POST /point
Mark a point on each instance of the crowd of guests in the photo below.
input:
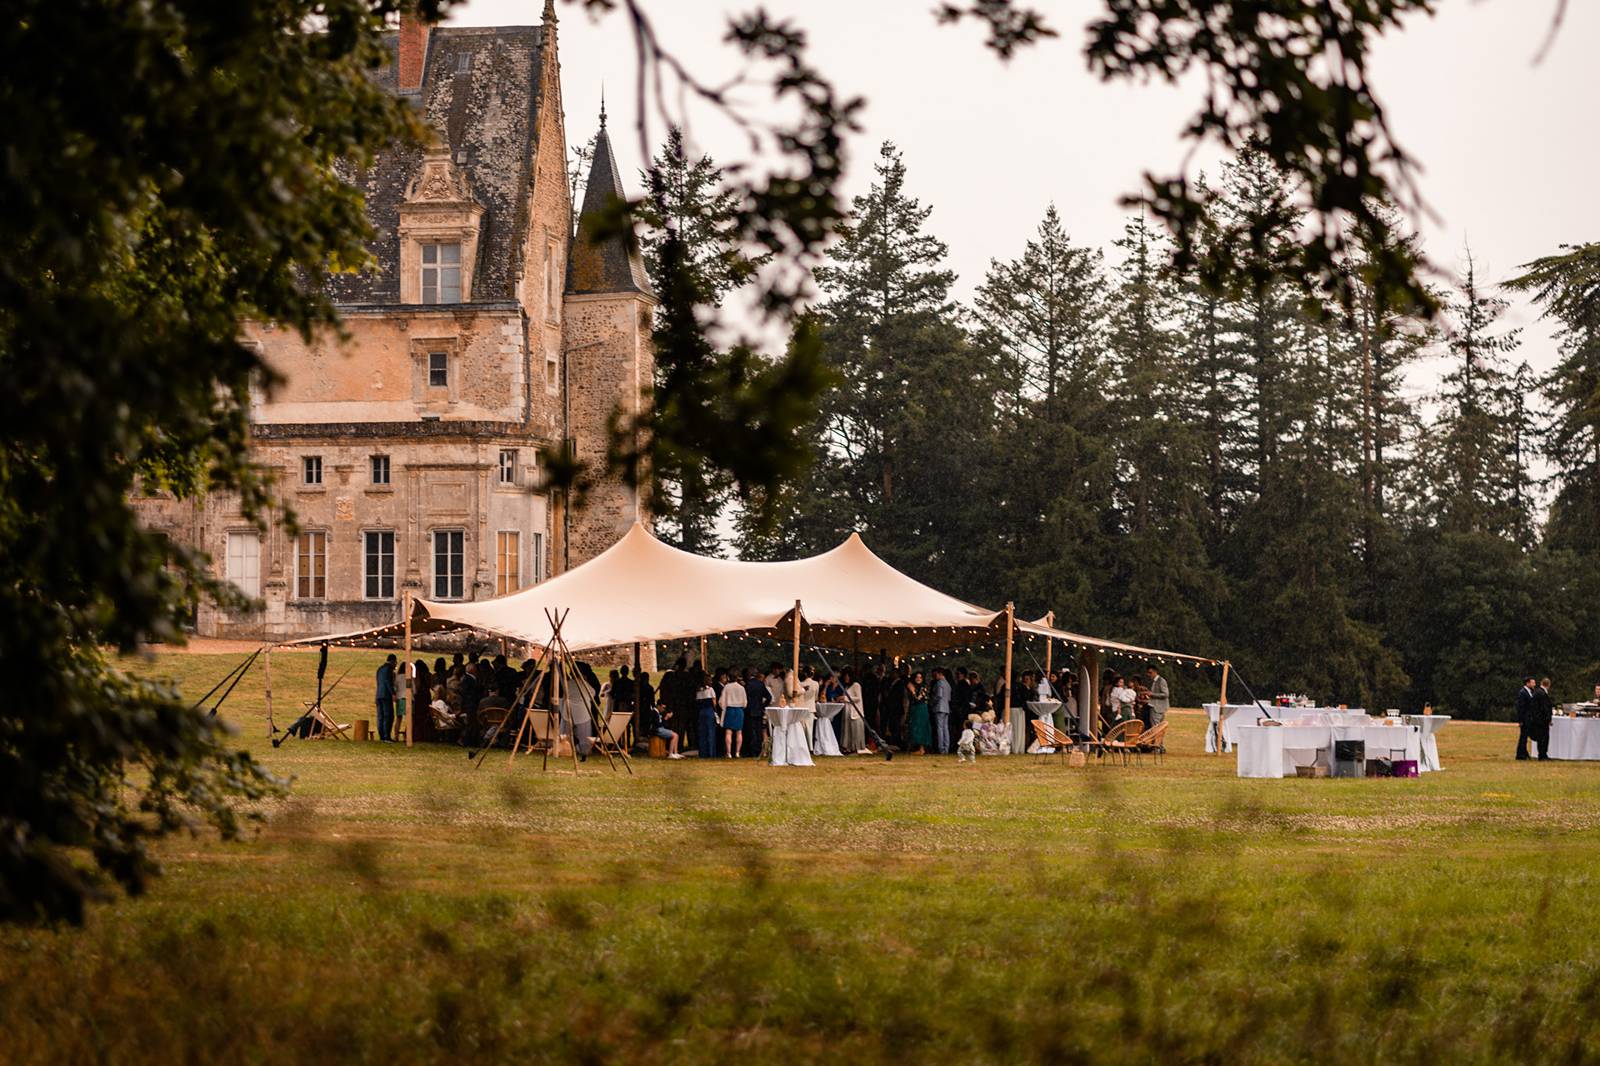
(721, 713)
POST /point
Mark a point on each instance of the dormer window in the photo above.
(439, 228)
(441, 273)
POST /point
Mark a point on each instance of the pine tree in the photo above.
(1042, 318)
(689, 214)
(1567, 287)
(1164, 589)
(1475, 475)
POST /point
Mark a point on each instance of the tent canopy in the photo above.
(641, 590)
(1042, 628)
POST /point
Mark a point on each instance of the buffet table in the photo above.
(1574, 738)
(1278, 751)
(787, 727)
(1233, 716)
(823, 740)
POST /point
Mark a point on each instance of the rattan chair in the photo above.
(1123, 739)
(1154, 742)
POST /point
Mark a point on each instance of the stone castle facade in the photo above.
(407, 449)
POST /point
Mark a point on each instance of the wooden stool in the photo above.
(363, 729)
(658, 748)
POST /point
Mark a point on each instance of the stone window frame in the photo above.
(422, 350)
(429, 223)
(327, 550)
(506, 473)
(306, 469)
(433, 563)
(553, 288)
(502, 587)
(552, 372)
(227, 556)
(387, 469)
(394, 565)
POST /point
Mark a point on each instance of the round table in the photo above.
(787, 727)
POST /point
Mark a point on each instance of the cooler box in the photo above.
(1349, 758)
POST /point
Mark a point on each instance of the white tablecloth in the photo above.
(823, 742)
(1235, 715)
(1574, 738)
(1428, 725)
(1039, 711)
(787, 726)
(1276, 751)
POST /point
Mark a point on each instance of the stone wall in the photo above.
(609, 366)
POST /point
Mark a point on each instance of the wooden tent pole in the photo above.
(795, 677)
(1222, 705)
(704, 668)
(1005, 696)
(405, 672)
(1049, 644)
(266, 669)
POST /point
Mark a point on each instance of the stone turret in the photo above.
(610, 361)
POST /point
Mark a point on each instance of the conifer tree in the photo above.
(1164, 589)
(1042, 318)
(690, 206)
(1475, 474)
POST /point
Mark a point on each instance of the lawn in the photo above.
(400, 905)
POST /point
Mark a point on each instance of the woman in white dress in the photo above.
(855, 723)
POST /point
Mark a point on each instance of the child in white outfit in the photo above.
(967, 746)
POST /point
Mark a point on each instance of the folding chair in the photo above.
(612, 734)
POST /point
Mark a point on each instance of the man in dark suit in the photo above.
(1526, 705)
(1544, 709)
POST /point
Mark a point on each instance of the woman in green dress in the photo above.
(919, 731)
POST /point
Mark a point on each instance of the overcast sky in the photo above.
(1509, 148)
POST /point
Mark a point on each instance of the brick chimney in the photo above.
(413, 48)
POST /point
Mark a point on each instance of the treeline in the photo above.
(1237, 472)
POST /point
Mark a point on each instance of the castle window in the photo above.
(508, 466)
(536, 556)
(311, 566)
(449, 564)
(438, 370)
(380, 470)
(508, 554)
(552, 283)
(552, 372)
(463, 62)
(244, 562)
(378, 564)
(441, 273)
(312, 469)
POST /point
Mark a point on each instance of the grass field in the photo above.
(401, 906)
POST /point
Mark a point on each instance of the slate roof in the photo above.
(609, 265)
(487, 114)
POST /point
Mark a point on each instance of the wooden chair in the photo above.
(1153, 743)
(1122, 739)
(490, 717)
(615, 730)
(544, 727)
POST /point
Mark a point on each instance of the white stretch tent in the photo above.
(641, 590)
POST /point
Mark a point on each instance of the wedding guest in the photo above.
(977, 695)
(731, 702)
(919, 731)
(705, 704)
(1160, 700)
(417, 703)
(757, 699)
(854, 715)
(383, 697)
(940, 709)
(1526, 706)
